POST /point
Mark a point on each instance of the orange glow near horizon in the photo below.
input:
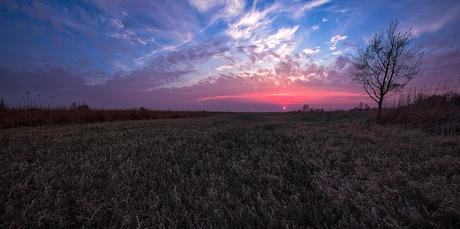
(301, 97)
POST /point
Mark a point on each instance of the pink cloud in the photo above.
(225, 67)
(289, 83)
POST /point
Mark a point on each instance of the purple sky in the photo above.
(217, 55)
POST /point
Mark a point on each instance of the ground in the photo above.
(257, 170)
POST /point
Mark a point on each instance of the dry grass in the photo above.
(33, 111)
(434, 108)
(293, 170)
(16, 117)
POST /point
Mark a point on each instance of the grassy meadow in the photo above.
(273, 170)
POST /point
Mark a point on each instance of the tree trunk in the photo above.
(379, 111)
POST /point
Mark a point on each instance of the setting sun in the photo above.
(208, 55)
(118, 113)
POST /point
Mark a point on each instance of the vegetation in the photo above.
(32, 112)
(387, 64)
(291, 170)
(435, 109)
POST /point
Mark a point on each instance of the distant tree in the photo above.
(360, 106)
(386, 64)
(83, 106)
(305, 108)
(366, 107)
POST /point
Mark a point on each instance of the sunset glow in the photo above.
(223, 55)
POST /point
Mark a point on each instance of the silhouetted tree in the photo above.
(83, 106)
(386, 64)
(305, 108)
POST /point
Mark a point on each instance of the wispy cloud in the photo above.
(279, 40)
(337, 52)
(222, 10)
(309, 6)
(205, 5)
(252, 23)
(11, 5)
(311, 50)
(59, 28)
(433, 21)
(335, 40)
(225, 67)
(202, 51)
(117, 23)
(38, 10)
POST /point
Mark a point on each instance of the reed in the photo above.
(435, 108)
(37, 112)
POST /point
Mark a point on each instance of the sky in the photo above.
(221, 55)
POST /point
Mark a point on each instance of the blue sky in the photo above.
(210, 55)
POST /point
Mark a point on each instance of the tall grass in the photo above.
(34, 112)
(434, 108)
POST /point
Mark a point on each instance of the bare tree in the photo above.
(386, 64)
(305, 108)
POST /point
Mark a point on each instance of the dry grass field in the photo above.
(17, 117)
(290, 170)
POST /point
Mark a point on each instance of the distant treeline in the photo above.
(361, 107)
(30, 113)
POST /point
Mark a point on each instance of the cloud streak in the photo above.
(198, 54)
